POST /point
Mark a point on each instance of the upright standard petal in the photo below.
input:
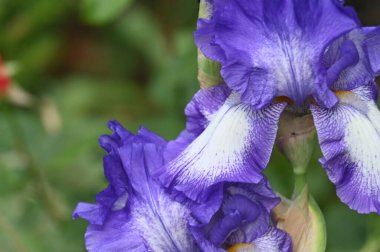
(349, 136)
(135, 213)
(271, 48)
(235, 147)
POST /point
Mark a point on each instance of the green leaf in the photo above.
(101, 11)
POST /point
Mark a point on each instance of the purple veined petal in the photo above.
(117, 234)
(349, 136)
(161, 221)
(224, 227)
(235, 147)
(144, 135)
(199, 112)
(242, 216)
(273, 48)
(347, 61)
(250, 230)
(372, 43)
(250, 82)
(204, 36)
(238, 210)
(92, 213)
(114, 195)
(134, 213)
(199, 235)
(324, 96)
(203, 107)
(265, 200)
(119, 135)
(260, 192)
(274, 240)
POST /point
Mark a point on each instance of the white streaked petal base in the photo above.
(349, 135)
(235, 146)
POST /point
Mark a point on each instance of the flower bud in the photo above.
(296, 139)
(302, 219)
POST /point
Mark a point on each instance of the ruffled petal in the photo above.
(372, 42)
(274, 240)
(117, 234)
(135, 213)
(94, 214)
(274, 46)
(250, 82)
(162, 223)
(242, 216)
(349, 136)
(347, 62)
(234, 147)
(114, 197)
(205, 39)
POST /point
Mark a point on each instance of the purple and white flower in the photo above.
(135, 213)
(312, 54)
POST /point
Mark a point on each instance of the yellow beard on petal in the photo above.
(342, 93)
(242, 247)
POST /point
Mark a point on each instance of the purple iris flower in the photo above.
(240, 221)
(305, 56)
(134, 213)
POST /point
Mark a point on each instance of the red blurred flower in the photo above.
(5, 80)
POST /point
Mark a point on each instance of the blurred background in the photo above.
(68, 67)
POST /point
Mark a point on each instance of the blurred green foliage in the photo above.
(96, 60)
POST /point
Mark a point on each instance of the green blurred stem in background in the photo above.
(54, 207)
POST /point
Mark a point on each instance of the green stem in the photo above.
(11, 233)
(299, 184)
(42, 186)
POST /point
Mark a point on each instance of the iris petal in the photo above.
(373, 46)
(199, 112)
(273, 48)
(349, 135)
(274, 240)
(241, 217)
(347, 62)
(235, 146)
(117, 234)
(135, 213)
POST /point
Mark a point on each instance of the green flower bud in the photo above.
(296, 139)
